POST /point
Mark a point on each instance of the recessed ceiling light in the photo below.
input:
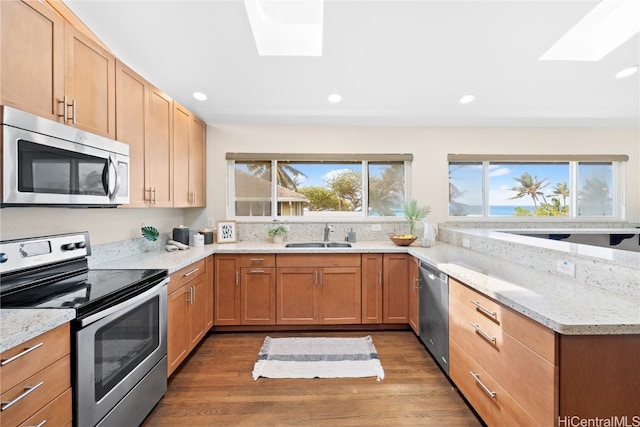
(607, 26)
(467, 99)
(200, 96)
(626, 72)
(334, 98)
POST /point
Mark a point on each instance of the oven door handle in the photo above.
(123, 305)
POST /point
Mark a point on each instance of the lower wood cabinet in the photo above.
(414, 292)
(395, 288)
(371, 288)
(502, 361)
(245, 290)
(35, 381)
(189, 297)
(318, 289)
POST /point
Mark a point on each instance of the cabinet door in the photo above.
(131, 113)
(197, 160)
(196, 311)
(177, 326)
(181, 125)
(395, 301)
(340, 295)
(297, 296)
(209, 279)
(227, 290)
(90, 83)
(258, 296)
(160, 149)
(32, 57)
(414, 291)
(371, 288)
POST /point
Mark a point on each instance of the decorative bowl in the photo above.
(402, 241)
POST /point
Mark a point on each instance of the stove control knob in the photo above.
(3, 258)
(81, 245)
(68, 247)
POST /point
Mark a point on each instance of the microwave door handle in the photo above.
(111, 179)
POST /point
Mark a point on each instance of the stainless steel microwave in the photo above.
(46, 163)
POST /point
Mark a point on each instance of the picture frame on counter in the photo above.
(227, 232)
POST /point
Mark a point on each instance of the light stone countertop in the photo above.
(566, 306)
(20, 325)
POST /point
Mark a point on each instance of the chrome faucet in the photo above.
(327, 229)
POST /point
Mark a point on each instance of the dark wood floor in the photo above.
(215, 387)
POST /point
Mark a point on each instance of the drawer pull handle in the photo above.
(191, 272)
(26, 351)
(486, 311)
(491, 394)
(25, 393)
(41, 424)
(483, 334)
(257, 271)
(257, 259)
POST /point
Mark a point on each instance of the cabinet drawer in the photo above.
(56, 413)
(318, 260)
(185, 275)
(499, 410)
(47, 385)
(257, 260)
(45, 349)
(515, 367)
(530, 333)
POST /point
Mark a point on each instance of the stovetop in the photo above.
(52, 272)
(81, 290)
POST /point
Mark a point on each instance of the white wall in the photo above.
(429, 146)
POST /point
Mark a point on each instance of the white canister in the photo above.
(430, 233)
(197, 241)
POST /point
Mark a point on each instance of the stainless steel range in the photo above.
(119, 346)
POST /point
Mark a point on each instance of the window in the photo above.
(317, 185)
(535, 186)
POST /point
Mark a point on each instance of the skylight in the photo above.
(607, 26)
(286, 27)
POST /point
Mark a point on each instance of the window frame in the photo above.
(274, 158)
(618, 163)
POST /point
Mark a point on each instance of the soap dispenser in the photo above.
(351, 236)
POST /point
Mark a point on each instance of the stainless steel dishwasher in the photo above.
(434, 313)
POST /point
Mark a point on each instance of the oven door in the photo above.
(116, 350)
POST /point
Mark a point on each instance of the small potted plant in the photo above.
(413, 212)
(277, 233)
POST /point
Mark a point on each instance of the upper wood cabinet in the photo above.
(144, 120)
(89, 84)
(197, 162)
(32, 57)
(52, 70)
(188, 159)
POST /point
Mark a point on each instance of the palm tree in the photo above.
(287, 175)
(530, 186)
(562, 190)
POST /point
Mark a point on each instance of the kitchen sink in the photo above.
(318, 245)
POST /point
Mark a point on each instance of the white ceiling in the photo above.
(396, 63)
